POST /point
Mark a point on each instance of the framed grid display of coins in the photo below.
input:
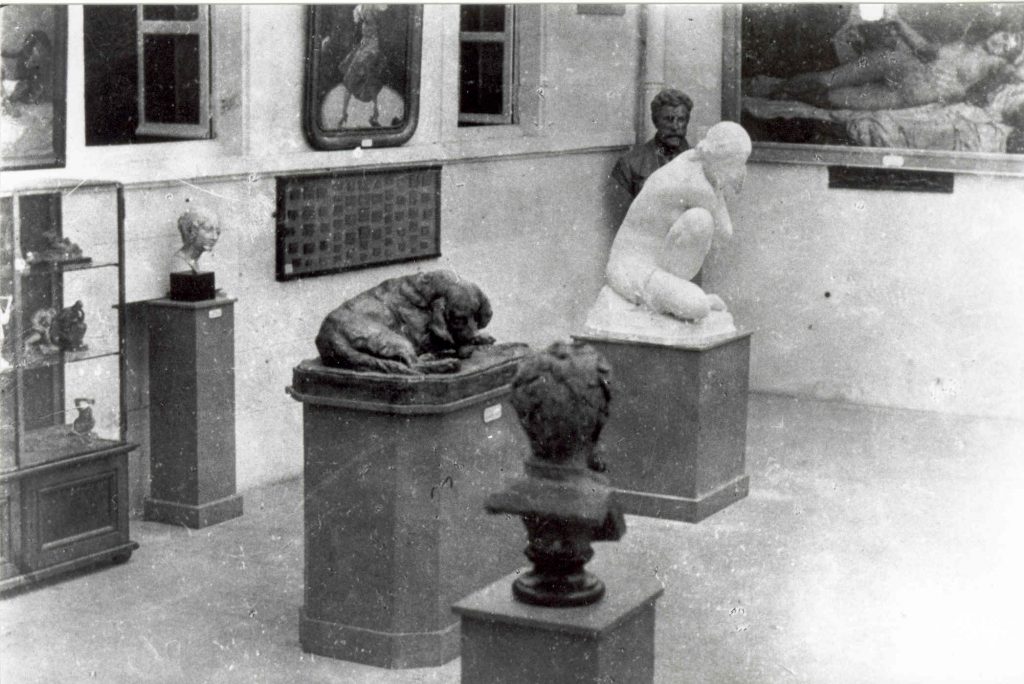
(341, 221)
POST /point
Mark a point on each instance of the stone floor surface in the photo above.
(875, 546)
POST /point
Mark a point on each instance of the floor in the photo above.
(875, 546)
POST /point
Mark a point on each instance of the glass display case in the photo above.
(63, 452)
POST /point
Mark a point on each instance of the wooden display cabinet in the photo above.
(63, 452)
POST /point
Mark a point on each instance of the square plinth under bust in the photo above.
(505, 641)
(188, 286)
(192, 413)
(675, 443)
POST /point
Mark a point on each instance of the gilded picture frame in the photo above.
(34, 106)
(362, 75)
(782, 71)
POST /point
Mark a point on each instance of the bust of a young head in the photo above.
(199, 231)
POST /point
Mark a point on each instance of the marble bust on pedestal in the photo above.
(200, 231)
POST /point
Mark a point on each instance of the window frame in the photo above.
(509, 73)
(162, 27)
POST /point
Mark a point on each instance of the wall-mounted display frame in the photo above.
(34, 108)
(362, 75)
(334, 222)
(828, 84)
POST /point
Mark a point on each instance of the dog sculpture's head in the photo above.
(459, 313)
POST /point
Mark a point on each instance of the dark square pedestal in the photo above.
(192, 413)
(675, 442)
(396, 472)
(505, 641)
(188, 286)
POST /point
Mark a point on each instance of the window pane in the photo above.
(481, 78)
(170, 12)
(111, 79)
(172, 78)
(482, 18)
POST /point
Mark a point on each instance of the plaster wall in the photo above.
(578, 97)
(901, 299)
(539, 256)
(525, 212)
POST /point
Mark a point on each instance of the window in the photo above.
(486, 65)
(147, 73)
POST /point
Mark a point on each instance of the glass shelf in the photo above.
(68, 357)
(57, 443)
(35, 267)
(87, 263)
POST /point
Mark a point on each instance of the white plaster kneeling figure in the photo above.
(665, 237)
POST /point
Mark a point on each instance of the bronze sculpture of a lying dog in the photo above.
(410, 325)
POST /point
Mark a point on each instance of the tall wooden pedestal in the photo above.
(192, 413)
(396, 472)
(676, 440)
(505, 641)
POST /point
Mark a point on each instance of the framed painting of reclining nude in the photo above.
(32, 119)
(362, 75)
(935, 87)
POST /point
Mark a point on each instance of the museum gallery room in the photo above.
(529, 343)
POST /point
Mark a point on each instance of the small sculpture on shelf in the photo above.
(68, 328)
(200, 231)
(561, 396)
(37, 341)
(58, 250)
(84, 422)
(408, 325)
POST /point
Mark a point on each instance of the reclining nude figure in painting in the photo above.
(669, 228)
(891, 78)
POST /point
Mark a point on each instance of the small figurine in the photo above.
(37, 340)
(199, 233)
(561, 396)
(85, 422)
(57, 249)
(68, 328)
(6, 304)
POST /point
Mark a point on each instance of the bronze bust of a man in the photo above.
(670, 112)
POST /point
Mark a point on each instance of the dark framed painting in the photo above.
(34, 108)
(933, 87)
(362, 75)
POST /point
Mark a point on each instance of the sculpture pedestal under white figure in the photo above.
(676, 438)
(677, 433)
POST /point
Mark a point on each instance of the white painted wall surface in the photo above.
(526, 216)
(926, 291)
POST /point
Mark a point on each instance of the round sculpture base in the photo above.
(562, 591)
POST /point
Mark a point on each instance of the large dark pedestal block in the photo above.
(396, 472)
(192, 413)
(676, 439)
(505, 641)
